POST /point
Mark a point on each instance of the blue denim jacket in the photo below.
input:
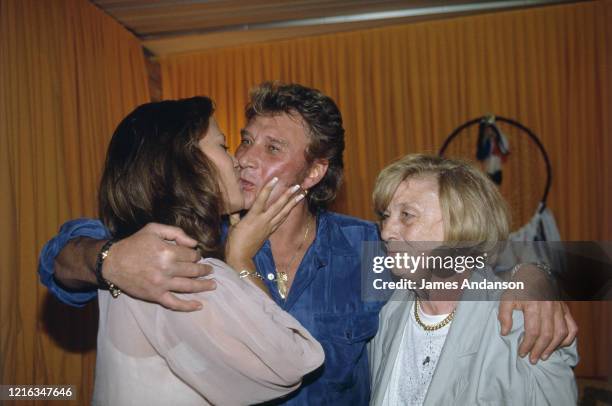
(325, 297)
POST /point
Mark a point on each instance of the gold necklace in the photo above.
(434, 327)
(281, 277)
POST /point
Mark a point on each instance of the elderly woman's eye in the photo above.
(407, 215)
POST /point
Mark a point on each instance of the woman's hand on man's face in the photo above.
(247, 235)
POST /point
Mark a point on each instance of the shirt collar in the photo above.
(330, 238)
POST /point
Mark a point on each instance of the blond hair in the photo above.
(472, 208)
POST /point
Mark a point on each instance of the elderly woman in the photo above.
(431, 348)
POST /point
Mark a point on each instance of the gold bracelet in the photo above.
(104, 283)
(246, 273)
(543, 267)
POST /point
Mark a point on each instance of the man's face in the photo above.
(272, 146)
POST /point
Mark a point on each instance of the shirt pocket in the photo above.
(344, 337)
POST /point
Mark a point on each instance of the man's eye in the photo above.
(407, 215)
(273, 148)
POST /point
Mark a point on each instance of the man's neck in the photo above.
(293, 228)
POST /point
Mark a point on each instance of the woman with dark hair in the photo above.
(168, 163)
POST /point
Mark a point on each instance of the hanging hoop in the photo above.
(526, 130)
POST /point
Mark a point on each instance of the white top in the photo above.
(241, 348)
(416, 362)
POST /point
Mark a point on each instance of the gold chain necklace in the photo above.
(433, 327)
(281, 277)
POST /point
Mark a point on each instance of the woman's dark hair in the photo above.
(323, 125)
(155, 172)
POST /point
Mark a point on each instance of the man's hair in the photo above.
(155, 172)
(472, 208)
(324, 129)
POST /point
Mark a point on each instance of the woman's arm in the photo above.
(247, 265)
(247, 235)
(240, 348)
(552, 381)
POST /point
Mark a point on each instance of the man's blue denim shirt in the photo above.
(325, 297)
(70, 230)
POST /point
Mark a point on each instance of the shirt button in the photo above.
(270, 276)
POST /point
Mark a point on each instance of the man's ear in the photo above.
(317, 171)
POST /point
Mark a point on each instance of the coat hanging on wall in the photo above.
(523, 175)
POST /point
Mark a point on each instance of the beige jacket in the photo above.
(477, 365)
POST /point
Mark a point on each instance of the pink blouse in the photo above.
(241, 348)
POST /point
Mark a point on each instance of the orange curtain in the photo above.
(405, 88)
(68, 74)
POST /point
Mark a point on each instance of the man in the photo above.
(310, 263)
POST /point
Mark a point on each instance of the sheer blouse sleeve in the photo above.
(241, 348)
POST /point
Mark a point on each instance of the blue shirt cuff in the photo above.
(70, 230)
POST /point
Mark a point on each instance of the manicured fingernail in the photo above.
(522, 354)
(533, 361)
(274, 181)
(545, 357)
(295, 188)
(199, 306)
(300, 197)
